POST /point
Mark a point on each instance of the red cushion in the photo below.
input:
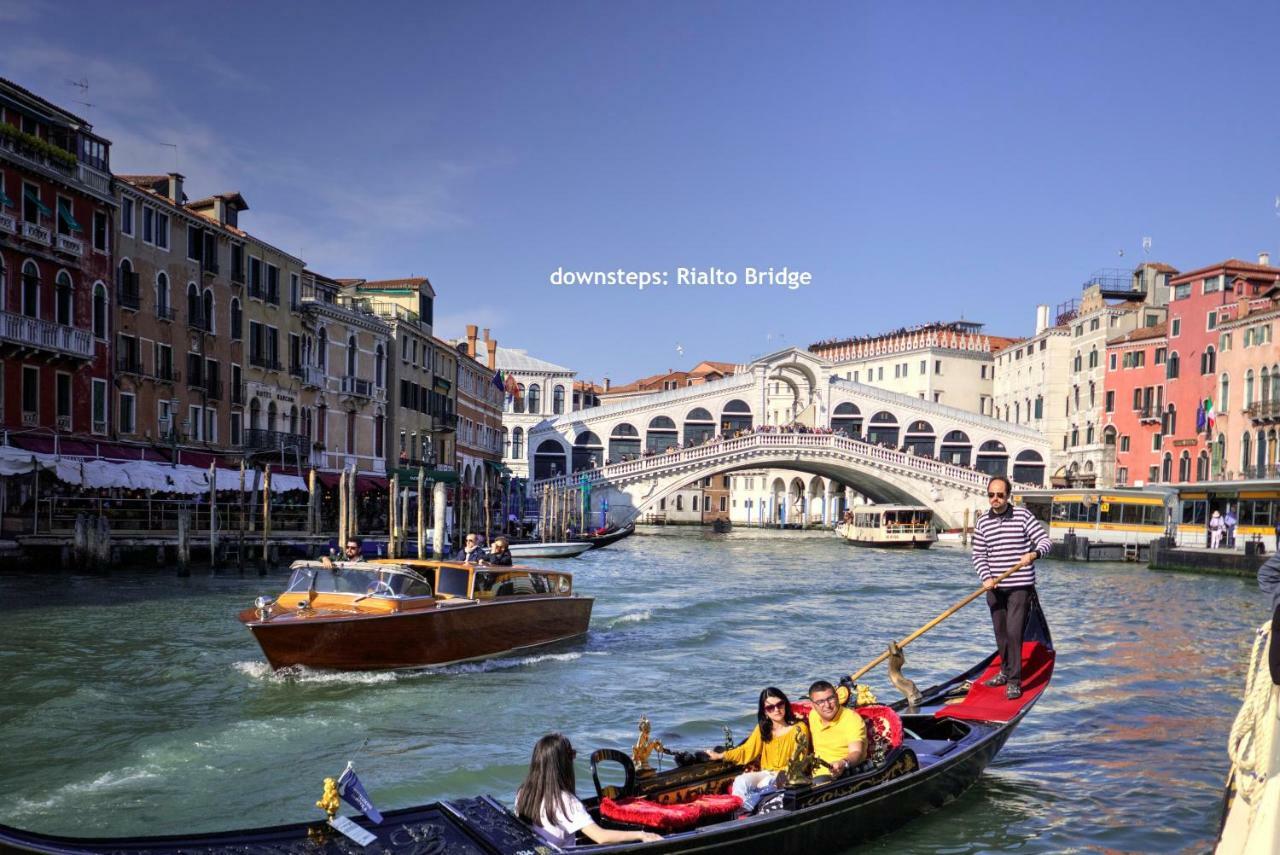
(884, 730)
(801, 708)
(717, 807)
(650, 814)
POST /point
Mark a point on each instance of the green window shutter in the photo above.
(64, 213)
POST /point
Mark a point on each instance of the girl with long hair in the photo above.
(771, 744)
(547, 800)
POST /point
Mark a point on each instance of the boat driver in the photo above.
(838, 733)
(350, 552)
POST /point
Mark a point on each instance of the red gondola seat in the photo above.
(668, 819)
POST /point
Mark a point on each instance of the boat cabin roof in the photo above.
(876, 509)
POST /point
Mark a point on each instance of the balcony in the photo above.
(237, 276)
(312, 376)
(1146, 415)
(444, 422)
(129, 364)
(45, 335)
(37, 233)
(168, 374)
(197, 321)
(357, 387)
(258, 440)
(64, 423)
(69, 246)
(166, 313)
(209, 267)
(8, 224)
(1264, 411)
(30, 419)
(212, 389)
(129, 298)
(268, 363)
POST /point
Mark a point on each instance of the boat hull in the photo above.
(891, 544)
(612, 537)
(412, 639)
(548, 550)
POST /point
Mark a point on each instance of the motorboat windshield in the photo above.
(364, 579)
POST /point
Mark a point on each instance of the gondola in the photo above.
(609, 535)
(935, 751)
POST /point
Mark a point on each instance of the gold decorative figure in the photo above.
(644, 747)
(865, 697)
(729, 741)
(901, 683)
(329, 802)
(802, 763)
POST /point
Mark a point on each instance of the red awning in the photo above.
(329, 479)
(365, 483)
(38, 444)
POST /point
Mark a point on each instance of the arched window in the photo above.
(1166, 469)
(255, 414)
(162, 297)
(352, 352)
(1171, 366)
(1208, 361)
(293, 420)
(237, 320)
(1223, 389)
(956, 448)
(1248, 388)
(660, 435)
(548, 460)
(1246, 451)
(208, 310)
(99, 310)
(1184, 466)
(126, 287)
(535, 398)
(920, 438)
(322, 348)
(1075, 436)
(1202, 466)
(193, 306)
(517, 442)
(1076, 363)
(557, 400)
(1017, 412)
(62, 298)
(1109, 435)
(518, 405)
(847, 419)
(1088, 434)
(1028, 468)
(698, 426)
(1275, 382)
(1264, 385)
(271, 416)
(1093, 358)
(1170, 421)
(379, 363)
(379, 425)
(30, 290)
(624, 443)
(883, 429)
(735, 416)
(993, 458)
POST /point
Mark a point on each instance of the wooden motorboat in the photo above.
(927, 756)
(889, 527)
(611, 534)
(560, 549)
(394, 613)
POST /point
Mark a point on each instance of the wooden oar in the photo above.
(931, 624)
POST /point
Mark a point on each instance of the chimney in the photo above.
(491, 345)
(175, 188)
(220, 209)
(1042, 318)
(606, 384)
(471, 340)
(1264, 258)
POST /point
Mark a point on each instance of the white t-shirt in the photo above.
(573, 818)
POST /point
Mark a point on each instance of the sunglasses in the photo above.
(774, 706)
(991, 495)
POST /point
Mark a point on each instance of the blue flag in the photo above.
(353, 793)
(497, 381)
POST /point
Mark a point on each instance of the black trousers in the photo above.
(1009, 618)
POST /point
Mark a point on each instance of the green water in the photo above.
(136, 703)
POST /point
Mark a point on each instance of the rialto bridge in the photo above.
(887, 446)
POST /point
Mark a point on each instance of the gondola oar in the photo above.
(931, 624)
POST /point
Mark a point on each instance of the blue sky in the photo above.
(923, 161)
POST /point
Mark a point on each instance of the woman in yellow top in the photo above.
(770, 744)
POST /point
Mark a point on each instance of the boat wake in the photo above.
(302, 674)
(629, 617)
(75, 792)
(487, 665)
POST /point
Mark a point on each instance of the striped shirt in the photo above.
(1000, 541)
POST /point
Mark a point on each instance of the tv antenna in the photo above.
(83, 85)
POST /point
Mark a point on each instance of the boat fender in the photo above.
(601, 755)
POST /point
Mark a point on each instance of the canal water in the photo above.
(137, 704)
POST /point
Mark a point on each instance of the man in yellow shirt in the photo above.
(838, 734)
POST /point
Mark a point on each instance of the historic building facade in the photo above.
(57, 215)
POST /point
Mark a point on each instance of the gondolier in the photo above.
(1006, 536)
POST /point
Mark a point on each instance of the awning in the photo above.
(500, 468)
(329, 479)
(64, 214)
(409, 474)
(35, 200)
(366, 483)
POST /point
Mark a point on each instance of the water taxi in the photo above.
(890, 527)
(391, 613)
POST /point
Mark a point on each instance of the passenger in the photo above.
(838, 735)
(1216, 526)
(771, 744)
(471, 552)
(547, 801)
(500, 555)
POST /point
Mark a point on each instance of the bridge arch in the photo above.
(588, 451)
(847, 419)
(698, 426)
(624, 443)
(921, 438)
(883, 429)
(549, 460)
(735, 415)
(660, 435)
(993, 458)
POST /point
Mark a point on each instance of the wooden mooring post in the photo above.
(241, 526)
(213, 516)
(266, 517)
(393, 530)
(422, 515)
(438, 499)
(184, 542)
